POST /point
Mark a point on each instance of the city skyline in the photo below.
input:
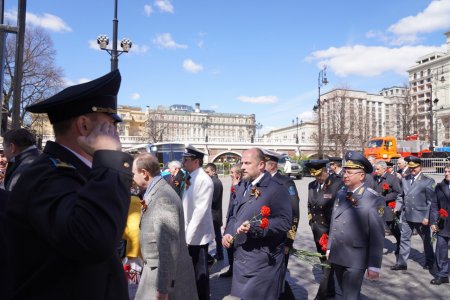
(243, 57)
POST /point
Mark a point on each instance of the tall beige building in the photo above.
(429, 79)
(184, 123)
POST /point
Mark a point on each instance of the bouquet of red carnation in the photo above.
(443, 214)
(260, 218)
(392, 206)
(323, 241)
(386, 186)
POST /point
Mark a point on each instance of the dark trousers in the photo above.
(326, 285)
(441, 258)
(394, 227)
(406, 229)
(218, 234)
(349, 281)
(199, 255)
(230, 254)
(287, 293)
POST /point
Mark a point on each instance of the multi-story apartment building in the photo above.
(350, 118)
(429, 82)
(184, 123)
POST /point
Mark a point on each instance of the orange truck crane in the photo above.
(388, 147)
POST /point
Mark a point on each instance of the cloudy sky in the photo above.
(243, 56)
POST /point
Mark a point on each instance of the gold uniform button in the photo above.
(126, 164)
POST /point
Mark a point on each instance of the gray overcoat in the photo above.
(167, 264)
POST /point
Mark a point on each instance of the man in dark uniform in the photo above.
(259, 268)
(272, 159)
(402, 169)
(388, 186)
(440, 225)
(414, 203)
(216, 208)
(68, 210)
(336, 167)
(321, 195)
(356, 236)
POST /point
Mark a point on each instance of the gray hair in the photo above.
(381, 164)
(174, 163)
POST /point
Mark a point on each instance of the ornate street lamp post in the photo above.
(125, 44)
(258, 127)
(321, 81)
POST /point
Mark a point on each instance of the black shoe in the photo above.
(439, 280)
(427, 267)
(218, 257)
(228, 273)
(399, 267)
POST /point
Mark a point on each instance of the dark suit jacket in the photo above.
(258, 269)
(320, 206)
(294, 200)
(177, 183)
(390, 194)
(357, 233)
(22, 161)
(64, 222)
(442, 200)
(216, 205)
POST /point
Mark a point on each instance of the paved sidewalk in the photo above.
(304, 279)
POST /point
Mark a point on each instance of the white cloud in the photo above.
(166, 41)
(306, 116)
(68, 82)
(135, 48)
(435, 17)
(370, 61)
(164, 6)
(135, 96)
(214, 107)
(148, 10)
(258, 99)
(47, 21)
(190, 66)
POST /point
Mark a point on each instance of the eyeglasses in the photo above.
(187, 158)
(348, 173)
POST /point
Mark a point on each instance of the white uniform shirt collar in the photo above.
(86, 161)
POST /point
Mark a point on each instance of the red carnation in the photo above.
(385, 186)
(391, 204)
(233, 189)
(443, 213)
(264, 223)
(323, 241)
(265, 211)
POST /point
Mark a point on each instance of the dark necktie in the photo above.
(412, 180)
(351, 199)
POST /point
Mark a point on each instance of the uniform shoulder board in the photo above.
(372, 191)
(58, 164)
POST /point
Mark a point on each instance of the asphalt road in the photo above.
(304, 279)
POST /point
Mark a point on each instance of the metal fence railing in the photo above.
(434, 166)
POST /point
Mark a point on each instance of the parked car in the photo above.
(296, 169)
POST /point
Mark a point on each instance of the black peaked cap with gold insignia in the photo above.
(335, 159)
(355, 160)
(413, 161)
(270, 155)
(191, 151)
(98, 95)
(315, 166)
